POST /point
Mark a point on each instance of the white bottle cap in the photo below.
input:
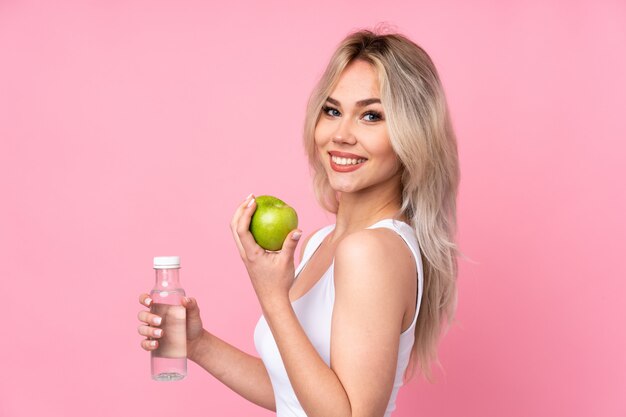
(166, 262)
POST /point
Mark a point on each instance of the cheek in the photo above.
(384, 153)
(320, 143)
(322, 133)
(379, 144)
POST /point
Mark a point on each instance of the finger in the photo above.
(193, 311)
(189, 303)
(241, 208)
(149, 344)
(145, 299)
(150, 331)
(290, 244)
(237, 241)
(149, 318)
(235, 221)
(250, 246)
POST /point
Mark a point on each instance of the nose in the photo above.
(344, 133)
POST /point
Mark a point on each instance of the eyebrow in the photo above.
(360, 103)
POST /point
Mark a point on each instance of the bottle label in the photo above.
(173, 343)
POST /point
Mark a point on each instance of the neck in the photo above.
(359, 210)
(167, 279)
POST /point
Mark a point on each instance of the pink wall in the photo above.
(132, 129)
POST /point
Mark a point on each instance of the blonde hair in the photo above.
(421, 135)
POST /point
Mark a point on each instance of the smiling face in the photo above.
(351, 134)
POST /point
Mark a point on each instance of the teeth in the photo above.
(346, 161)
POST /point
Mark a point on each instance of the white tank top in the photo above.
(314, 311)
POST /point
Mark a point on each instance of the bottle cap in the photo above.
(166, 262)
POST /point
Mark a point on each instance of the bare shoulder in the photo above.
(375, 246)
(377, 259)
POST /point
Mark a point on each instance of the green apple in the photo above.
(271, 222)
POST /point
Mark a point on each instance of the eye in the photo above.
(331, 111)
(372, 116)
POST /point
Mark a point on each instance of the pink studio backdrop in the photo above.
(133, 129)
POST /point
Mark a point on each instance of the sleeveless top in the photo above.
(314, 311)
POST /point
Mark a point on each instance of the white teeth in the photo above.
(346, 161)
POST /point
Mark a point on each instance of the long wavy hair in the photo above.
(421, 135)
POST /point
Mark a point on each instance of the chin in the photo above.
(343, 187)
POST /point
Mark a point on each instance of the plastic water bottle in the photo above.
(169, 360)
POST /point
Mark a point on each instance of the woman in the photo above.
(374, 290)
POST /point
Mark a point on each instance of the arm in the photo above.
(246, 374)
(367, 321)
(243, 373)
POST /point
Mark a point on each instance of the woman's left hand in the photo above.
(271, 273)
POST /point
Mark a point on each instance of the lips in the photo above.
(345, 162)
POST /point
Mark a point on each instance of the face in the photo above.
(351, 135)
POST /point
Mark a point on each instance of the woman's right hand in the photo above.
(151, 322)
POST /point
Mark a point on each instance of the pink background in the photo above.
(133, 128)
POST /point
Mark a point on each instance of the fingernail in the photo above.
(153, 343)
(156, 320)
(148, 301)
(158, 332)
(250, 203)
(296, 235)
(249, 195)
(187, 300)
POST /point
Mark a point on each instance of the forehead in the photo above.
(358, 81)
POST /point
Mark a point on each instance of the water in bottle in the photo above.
(169, 360)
